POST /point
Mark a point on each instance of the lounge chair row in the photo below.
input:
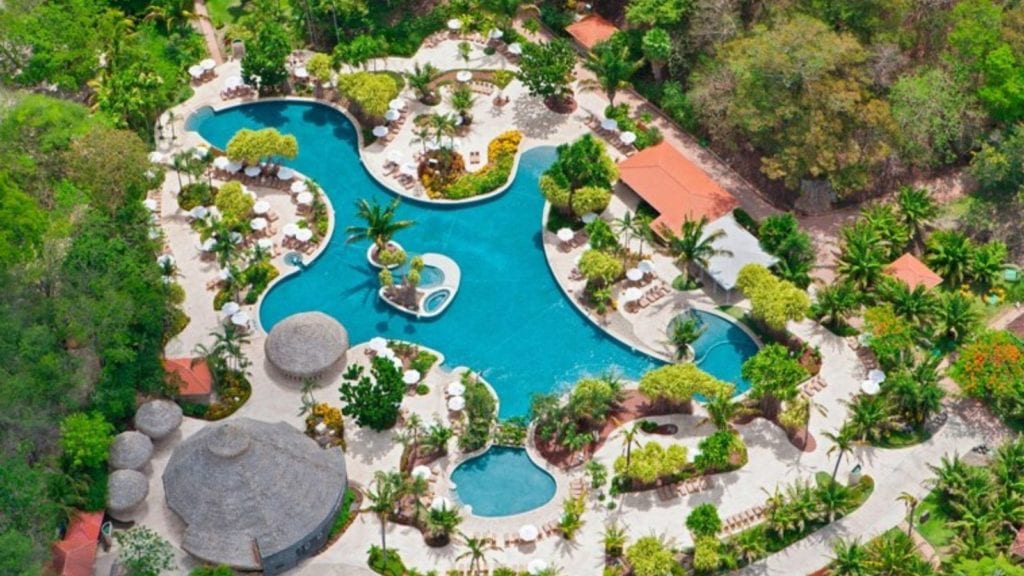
(691, 486)
(744, 519)
(813, 386)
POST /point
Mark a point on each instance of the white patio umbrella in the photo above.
(234, 167)
(408, 168)
(199, 212)
(299, 186)
(252, 171)
(397, 104)
(495, 34)
(224, 274)
(870, 387)
(290, 229)
(221, 162)
(610, 124)
(440, 503)
(411, 377)
(536, 566)
(150, 204)
(391, 115)
(233, 82)
(456, 403)
(380, 131)
(588, 217)
(157, 157)
(208, 64)
(285, 173)
(515, 48)
(378, 344)
(304, 199)
(230, 308)
(631, 295)
(421, 472)
(876, 375)
(646, 266)
(207, 244)
(261, 207)
(304, 235)
(454, 24)
(301, 72)
(200, 152)
(463, 75)
(240, 319)
(195, 71)
(455, 388)
(627, 137)
(528, 532)
(565, 234)
(258, 224)
(165, 260)
(265, 243)
(634, 274)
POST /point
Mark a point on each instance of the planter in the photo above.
(371, 252)
(438, 541)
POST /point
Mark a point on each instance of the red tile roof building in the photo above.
(591, 30)
(76, 553)
(191, 376)
(913, 272)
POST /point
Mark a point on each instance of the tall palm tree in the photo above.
(693, 245)
(612, 67)
(910, 502)
(957, 316)
(869, 419)
(476, 550)
(917, 209)
(721, 410)
(842, 444)
(442, 125)
(422, 133)
(629, 437)
(419, 80)
(462, 100)
(834, 302)
(916, 305)
(380, 223)
(683, 331)
(862, 257)
(849, 558)
(888, 224)
(950, 255)
(442, 522)
(627, 227)
(383, 497)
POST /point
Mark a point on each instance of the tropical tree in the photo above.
(917, 210)
(379, 225)
(264, 62)
(386, 489)
(721, 408)
(869, 420)
(546, 69)
(835, 499)
(862, 258)
(683, 331)
(834, 303)
(629, 226)
(614, 539)
(916, 305)
(581, 164)
(910, 502)
(987, 264)
(650, 556)
(419, 80)
(704, 521)
(976, 535)
(916, 394)
(612, 67)
(143, 552)
(462, 101)
(849, 558)
(657, 48)
(629, 435)
(476, 552)
(441, 522)
(950, 254)
(694, 245)
(842, 444)
(774, 376)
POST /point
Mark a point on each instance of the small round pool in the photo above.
(723, 348)
(435, 301)
(501, 482)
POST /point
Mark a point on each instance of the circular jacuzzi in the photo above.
(501, 482)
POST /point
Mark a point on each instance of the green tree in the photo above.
(600, 268)
(917, 208)
(774, 302)
(714, 452)
(650, 556)
(986, 266)
(957, 316)
(683, 331)
(987, 567)
(869, 420)
(379, 225)
(657, 49)
(462, 100)
(721, 408)
(656, 12)
(264, 62)
(144, 553)
(773, 375)
(999, 166)
(862, 258)
(234, 204)
(833, 303)
(950, 254)
(419, 80)
(579, 164)
(86, 439)
(387, 488)
(678, 383)
(110, 165)
(373, 402)
(370, 93)
(652, 462)
(849, 558)
(442, 522)
(780, 235)
(842, 444)
(476, 552)
(694, 245)
(131, 95)
(547, 69)
(892, 338)
(936, 118)
(612, 67)
(22, 224)
(916, 305)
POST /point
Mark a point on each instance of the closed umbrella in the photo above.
(200, 152)
(258, 224)
(456, 388)
(285, 173)
(233, 82)
(646, 266)
(411, 376)
(565, 234)
(380, 131)
(301, 72)
(290, 229)
(304, 199)
(165, 260)
(157, 157)
(240, 319)
(261, 207)
(409, 169)
(495, 34)
(528, 532)
(456, 403)
(224, 274)
(304, 235)
(627, 137)
(234, 167)
(235, 237)
(299, 186)
(208, 244)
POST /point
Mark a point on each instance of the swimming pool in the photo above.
(511, 321)
(722, 348)
(502, 481)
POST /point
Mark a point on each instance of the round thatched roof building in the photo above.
(126, 489)
(158, 418)
(254, 495)
(131, 450)
(307, 344)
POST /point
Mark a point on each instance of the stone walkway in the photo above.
(209, 34)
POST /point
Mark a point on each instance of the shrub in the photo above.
(678, 383)
(704, 521)
(369, 93)
(480, 412)
(649, 556)
(234, 204)
(652, 462)
(373, 401)
(590, 199)
(773, 301)
(500, 159)
(86, 439)
(144, 553)
(386, 563)
(715, 451)
(391, 256)
(195, 194)
(601, 236)
(423, 361)
(600, 268)
(212, 571)
(502, 78)
(705, 555)
(992, 368)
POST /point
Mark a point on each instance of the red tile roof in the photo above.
(192, 379)
(912, 272)
(674, 186)
(76, 553)
(591, 30)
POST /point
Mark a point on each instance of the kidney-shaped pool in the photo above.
(501, 482)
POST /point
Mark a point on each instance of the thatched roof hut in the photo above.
(158, 418)
(254, 495)
(306, 345)
(131, 450)
(126, 489)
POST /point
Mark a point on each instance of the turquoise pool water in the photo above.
(510, 321)
(501, 482)
(722, 348)
(434, 300)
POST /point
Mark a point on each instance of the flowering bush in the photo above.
(330, 417)
(992, 368)
(501, 153)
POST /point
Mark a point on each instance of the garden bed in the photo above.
(501, 156)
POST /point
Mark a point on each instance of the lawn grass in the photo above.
(901, 439)
(224, 12)
(936, 529)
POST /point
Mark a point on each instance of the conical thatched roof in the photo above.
(158, 418)
(130, 451)
(307, 344)
(245, 485)
(126, 489)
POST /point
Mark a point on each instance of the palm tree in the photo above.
(976, 535)
(422, 133)
(476, 549)
(614, 539)
(862, 259)
(849, 558)
(951, 477)
(629, 439)
(916, 393)
(834, 303)
(442, 522)
(628, 228)
(957, 316)
(916, 305)
(437, 437)
(380, 223)
(888, 224)
(987, 264)
(684, 331)
(917, 209)
(869, 419)
(894, 553)
(950, 254)
(442, 125)
(419, 80)
(612, 66)
(387, 489)
(842, 444)
(721, 410)
(835, 499)
(462, 101)
(750, 545)
(693, 245)
(910, 501)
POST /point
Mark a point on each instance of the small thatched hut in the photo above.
(254, 495)
(158, 418)
(126, 489)
(306, 345)
(131, 450)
